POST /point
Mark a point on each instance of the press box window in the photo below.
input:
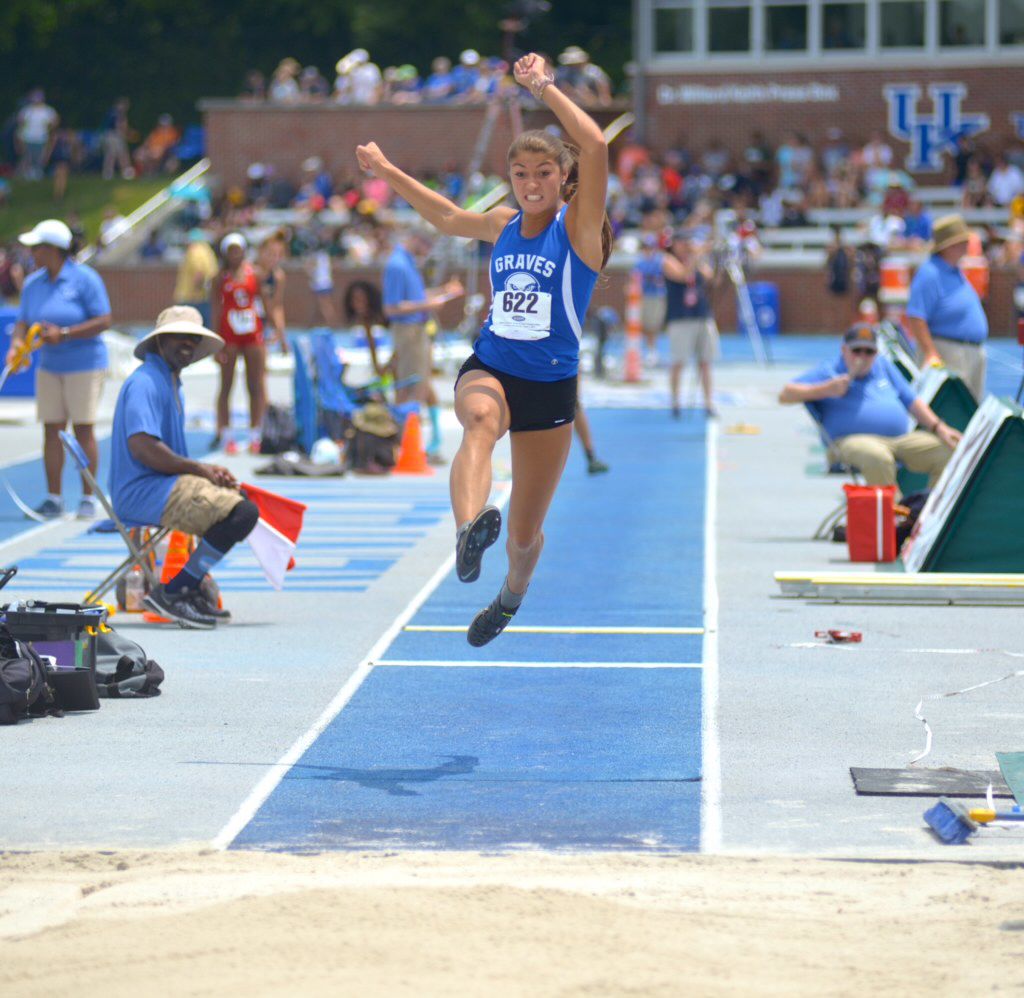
(673, 29)
(961, 23)
(1011, 22)
(785, 28)
(728, 29)
(902, 24)
(842, 26)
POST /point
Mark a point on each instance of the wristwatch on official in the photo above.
(65, 333)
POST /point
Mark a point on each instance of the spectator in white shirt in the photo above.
(1005, 181)
(36, 120)
(284, 85)
(877, 153)
(359, 81)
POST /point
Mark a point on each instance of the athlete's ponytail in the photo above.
(567, 157)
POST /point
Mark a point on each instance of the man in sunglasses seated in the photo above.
(862, 403)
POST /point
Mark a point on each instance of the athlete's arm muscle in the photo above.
(584, 218)
(441, 213)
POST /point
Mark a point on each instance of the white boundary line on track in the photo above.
(531, 629)
(711, 768)
(411, 662)
(266, 786)
(39, 528)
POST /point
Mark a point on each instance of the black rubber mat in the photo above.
(928, 782)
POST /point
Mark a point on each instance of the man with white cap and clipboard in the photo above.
(152, 479)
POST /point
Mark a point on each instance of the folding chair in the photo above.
(335, 396)
(138, 554)
(835, 517)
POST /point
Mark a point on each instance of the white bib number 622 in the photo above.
(521, 315)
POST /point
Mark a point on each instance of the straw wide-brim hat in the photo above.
(182, 319)
(573, 56)
(948, 231)
(349, 62)
(376, 419)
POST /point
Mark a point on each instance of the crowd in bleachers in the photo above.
(471, 79)
(35, 143)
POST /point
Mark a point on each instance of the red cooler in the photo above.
(871, 522)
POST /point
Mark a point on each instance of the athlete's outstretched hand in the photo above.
(531, 71)
(370, 158)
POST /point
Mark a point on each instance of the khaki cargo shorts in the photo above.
(75, 397)
(196, 504)
(412, 354)
(693, 339)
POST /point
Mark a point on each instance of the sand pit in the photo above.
(202, 922)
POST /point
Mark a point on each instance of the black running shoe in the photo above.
(474, 540)
(180, 607)
(489, 623)
(206, 606)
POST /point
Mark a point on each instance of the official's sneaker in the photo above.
(88, 508)
(596, 466)
(49, 509)
(204, 605)
(231, 447)
(481, 533)
(181, 607)
(489, 623)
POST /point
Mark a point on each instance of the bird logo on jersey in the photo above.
(519, 299)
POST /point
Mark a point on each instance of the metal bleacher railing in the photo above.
(136, 223)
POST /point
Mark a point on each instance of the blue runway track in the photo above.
(548, 740)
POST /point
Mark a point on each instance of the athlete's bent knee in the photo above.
(480, 420)
(522, 540)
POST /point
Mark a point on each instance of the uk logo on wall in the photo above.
(931, 135)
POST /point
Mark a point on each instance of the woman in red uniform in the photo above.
(240, 309)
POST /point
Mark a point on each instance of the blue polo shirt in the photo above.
(875, 404)
(652, 275)
(403, 282)
(151, 401)
(75, 296)
(944, 298)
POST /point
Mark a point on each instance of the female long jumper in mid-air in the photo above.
(521, 377)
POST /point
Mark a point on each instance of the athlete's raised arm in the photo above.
(585, 217)
(434, 208)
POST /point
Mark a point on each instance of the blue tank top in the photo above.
(540, 293)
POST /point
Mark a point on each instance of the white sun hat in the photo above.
(232, 239)
(49, 232)
(182, 319)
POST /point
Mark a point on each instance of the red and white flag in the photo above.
(276, 533)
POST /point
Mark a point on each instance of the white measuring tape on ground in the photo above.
(943, 696)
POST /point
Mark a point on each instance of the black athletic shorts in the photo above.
(533, 405)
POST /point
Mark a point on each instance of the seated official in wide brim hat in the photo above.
(154, 482)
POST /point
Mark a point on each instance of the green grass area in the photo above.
(32, 201)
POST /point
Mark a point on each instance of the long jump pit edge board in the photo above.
(911, 587)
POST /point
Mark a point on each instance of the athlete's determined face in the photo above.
(536, 182)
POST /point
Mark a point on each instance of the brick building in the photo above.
(920, 71)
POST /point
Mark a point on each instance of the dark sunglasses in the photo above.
(863, 351)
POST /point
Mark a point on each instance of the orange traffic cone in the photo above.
(412, 458)
(634, 329)
(178, 551)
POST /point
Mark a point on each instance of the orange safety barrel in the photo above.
(894, 283)
(975, 269)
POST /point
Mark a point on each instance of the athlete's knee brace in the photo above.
(235, 527)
